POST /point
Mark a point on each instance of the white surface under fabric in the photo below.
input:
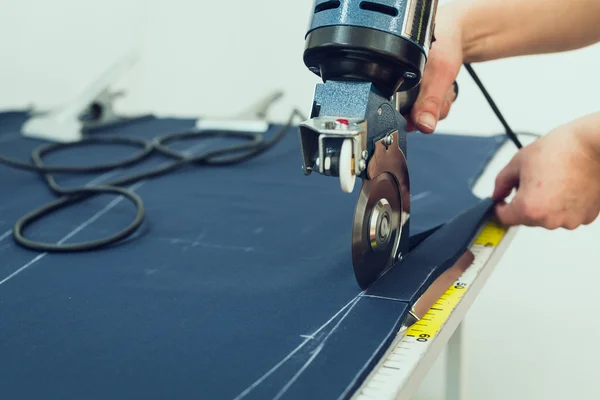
(531, 334)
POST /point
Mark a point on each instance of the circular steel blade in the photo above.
(372, 255)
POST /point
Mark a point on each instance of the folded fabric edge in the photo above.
(484, 207)
(419, 238)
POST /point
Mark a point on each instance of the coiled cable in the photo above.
(254, 145)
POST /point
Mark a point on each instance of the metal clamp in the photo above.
(93, 108)
(254, 119)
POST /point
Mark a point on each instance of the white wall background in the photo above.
(533, 332)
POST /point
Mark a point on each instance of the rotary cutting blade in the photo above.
(377, 228)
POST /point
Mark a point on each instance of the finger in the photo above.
(591, 217)
(508, 214)
(507, 179)
(572, 224)
(445, 111)
(528, 208)
(438, 79)
(518, 212)
(450, 97)
(410, 125)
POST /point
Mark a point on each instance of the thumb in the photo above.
(509, 214)
(438, 80)
(507, 179)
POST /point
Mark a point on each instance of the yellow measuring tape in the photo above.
(432, 322)
(491, 235)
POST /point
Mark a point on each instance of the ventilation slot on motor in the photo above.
(376, 7)
(328, 5)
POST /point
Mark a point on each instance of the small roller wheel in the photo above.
(347, 177)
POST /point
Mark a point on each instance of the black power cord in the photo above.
(509, 131)
(254, 145)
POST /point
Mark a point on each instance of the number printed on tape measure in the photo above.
(432, 322)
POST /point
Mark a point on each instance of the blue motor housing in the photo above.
(385, 42)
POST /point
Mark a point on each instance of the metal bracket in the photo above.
(94, 107)
(254, 119)
(314, 134)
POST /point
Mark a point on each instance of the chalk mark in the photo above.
(270, 372)
(384, 298)
(419, 196)
(316, 353)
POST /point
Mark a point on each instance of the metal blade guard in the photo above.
(355, 132)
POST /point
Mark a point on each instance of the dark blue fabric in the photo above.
(240, 283)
